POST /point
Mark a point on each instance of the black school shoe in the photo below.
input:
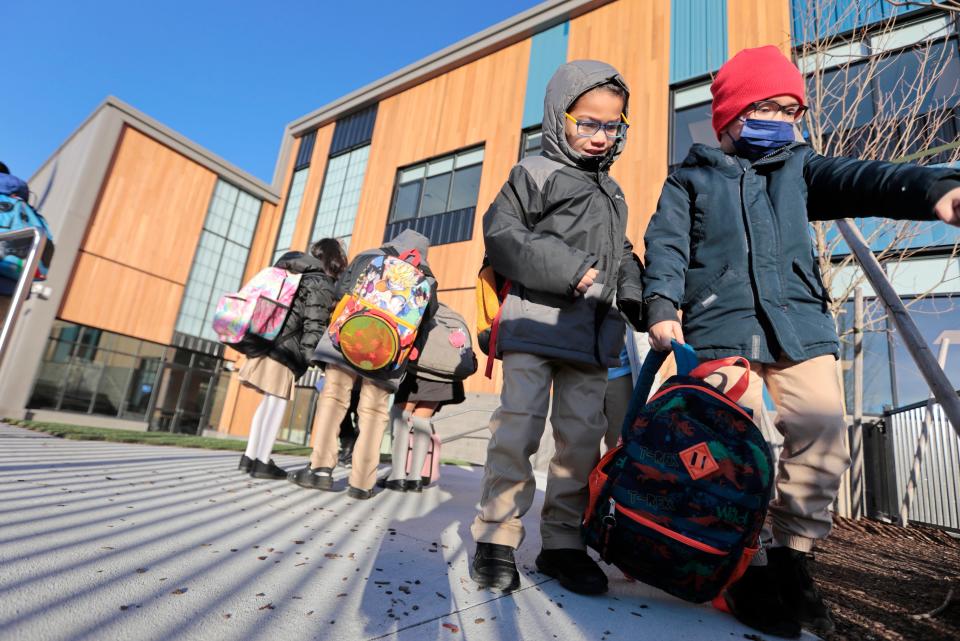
(494, 567)
(755, 601)
(268, 470)
(245, 463)
(574, 569)
(413, 486)
(357, 493)
(320, 478)
(798, 591)
(398, 485)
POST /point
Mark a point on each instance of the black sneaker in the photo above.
(398, 485)
(755, 601)
(245, 463)
(413, 486)
(494, 567)
(574, 569)
(798, 591)
(320, 478)
(268, 470)
(357, 493)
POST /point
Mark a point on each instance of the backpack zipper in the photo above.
(610, 521)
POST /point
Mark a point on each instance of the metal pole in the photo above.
(932, 373)
(856, 434)
(23, 285)
(921, 444)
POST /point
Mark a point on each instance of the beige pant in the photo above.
(517, 426)
(371, 422)
(810, 418)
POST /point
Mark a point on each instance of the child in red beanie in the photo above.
(729, 245)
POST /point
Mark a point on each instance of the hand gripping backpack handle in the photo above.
(686, 362)
(738, 389)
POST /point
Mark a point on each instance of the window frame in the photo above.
(453, 155)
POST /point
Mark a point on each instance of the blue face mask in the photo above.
(760, 137)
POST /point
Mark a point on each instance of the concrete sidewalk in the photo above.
(113, 541)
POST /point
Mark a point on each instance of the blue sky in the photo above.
(226, 74)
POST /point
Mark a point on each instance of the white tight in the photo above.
(264, 427)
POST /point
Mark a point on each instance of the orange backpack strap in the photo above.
(495, 330)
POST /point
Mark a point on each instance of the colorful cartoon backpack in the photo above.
(447, 353)
(375, 324)
(252, 318)
(679, 504)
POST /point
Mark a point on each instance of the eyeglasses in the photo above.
(589, 128)
(770, 109)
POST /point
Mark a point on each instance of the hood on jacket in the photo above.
(299, 263)
(409, 239)
(568, 83)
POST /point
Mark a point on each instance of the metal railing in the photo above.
(37, 244)
(933, 470)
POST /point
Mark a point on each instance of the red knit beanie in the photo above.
(752, 75)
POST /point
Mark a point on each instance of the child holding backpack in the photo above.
(557, 231)
(273, 369)
(729, 246)
(375, 388)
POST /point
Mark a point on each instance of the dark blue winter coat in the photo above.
(731, 247)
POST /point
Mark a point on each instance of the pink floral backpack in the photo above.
(254, 316)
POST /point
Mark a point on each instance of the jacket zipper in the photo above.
(610, 521)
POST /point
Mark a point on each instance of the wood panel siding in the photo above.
(752, 23)
(151, 211)
(635, 38)
(112, 296)
(478, 103)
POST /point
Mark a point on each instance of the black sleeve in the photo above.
(849, 188)
(538, 261)
(667, 256)
(630, 287)
(316, 305)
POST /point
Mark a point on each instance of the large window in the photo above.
(96, 372)
(340, 197)
(288, 221)
(691, 122)
(439, 186)
(221, 257)
(438, 198)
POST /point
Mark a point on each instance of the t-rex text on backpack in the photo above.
(680, 503)
(376, 323)
(251, 319)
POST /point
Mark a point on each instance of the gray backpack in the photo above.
(447, 353)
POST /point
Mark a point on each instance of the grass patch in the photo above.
(84, 433)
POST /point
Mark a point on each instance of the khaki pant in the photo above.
(810, 418)
(371, 422)
(517, 426)
(616, 402)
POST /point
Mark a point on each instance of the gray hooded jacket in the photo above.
(406, 240)
(558, 215)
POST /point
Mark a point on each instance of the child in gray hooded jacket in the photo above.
(557, 231)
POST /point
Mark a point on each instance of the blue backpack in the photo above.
(17, 214)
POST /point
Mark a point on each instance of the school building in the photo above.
(151, 228)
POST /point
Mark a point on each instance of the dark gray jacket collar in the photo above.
(701, 155)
